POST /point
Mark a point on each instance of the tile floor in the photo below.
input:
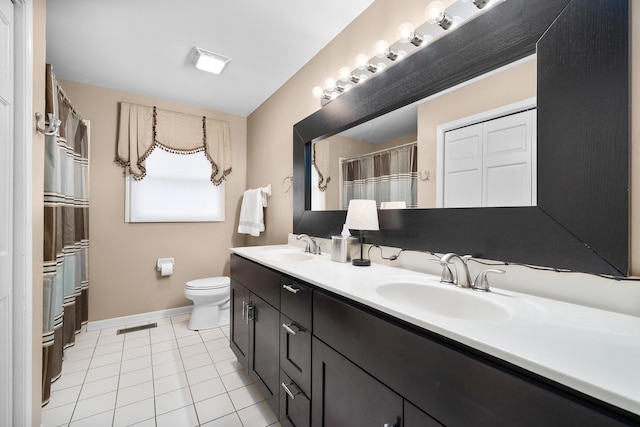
(164, 376)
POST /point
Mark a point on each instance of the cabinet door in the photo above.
(345, 395)
(295, 353)
(265, 349)
(239, 323)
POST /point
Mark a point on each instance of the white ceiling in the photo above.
(143, 46)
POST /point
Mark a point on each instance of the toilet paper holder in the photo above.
(164, 261)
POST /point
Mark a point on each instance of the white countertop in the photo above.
(593, 351)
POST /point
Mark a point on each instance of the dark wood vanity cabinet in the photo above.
(255, 325)
(323, 360)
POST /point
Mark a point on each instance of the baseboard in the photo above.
(137, 318)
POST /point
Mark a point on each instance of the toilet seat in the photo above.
(208, 283)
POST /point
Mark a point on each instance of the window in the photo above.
(177, 188)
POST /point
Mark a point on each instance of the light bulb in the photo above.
(362, 61)
(344, 73)
(405, 32)
(317, 92)
(434, 12)
(381, 48)
(330, 84)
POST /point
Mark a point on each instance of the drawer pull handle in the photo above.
(291, 328)
(292, 288)
(287, 390)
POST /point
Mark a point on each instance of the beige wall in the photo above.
(122, 257)
(504, 88)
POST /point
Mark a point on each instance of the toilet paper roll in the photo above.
(166, 269)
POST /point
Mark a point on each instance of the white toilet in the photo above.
(210, 298)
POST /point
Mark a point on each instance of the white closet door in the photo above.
(463, 167)
(6, 211)
(507, 167)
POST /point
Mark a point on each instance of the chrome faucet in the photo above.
(461, 276)
(311, 244)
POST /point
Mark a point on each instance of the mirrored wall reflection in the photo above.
(340, 169)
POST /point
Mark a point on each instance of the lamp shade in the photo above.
(362, 215)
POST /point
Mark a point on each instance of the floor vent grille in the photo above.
(137, 328)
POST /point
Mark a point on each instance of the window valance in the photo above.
(144, 128)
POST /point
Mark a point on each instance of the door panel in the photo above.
(264, 361)
(240, 298)
(6, 211)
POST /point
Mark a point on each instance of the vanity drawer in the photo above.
(296, 301)
(295, 408)
(295, 353)
(260, 280)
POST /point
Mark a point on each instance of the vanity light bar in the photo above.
(435, 14)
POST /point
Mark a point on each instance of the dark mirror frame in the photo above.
(581, 222)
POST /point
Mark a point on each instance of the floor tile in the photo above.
(236, 380)
(163, 346)
(135, 364)
(193, 350)
(165, 356)
(230, 420)
(68, 380)
(135, 393)
(103, 419)
(108, 348)
(207, 389)
(63, 397)
(130, 343)
(173, 400)
(222, 354)
(186, 341)
(57, 416)
(170, 383)
(98, 373)
(161, 329)
(135, 377)
(134, 413)
(82, 345)
(72, 354)
(169, 368)
(144, 333)
(183, 417)
(258, 415)
(134, 353)
(215, 407)
(166, 336)
(228, 366)
(110, 339)
(244, 397)
(151, 422)
(96, 388)
(196, 361)
(219, 344)
(75, 366)
(180, 318)
(105, 359)
(94, 405)
(201, 374)
(212, 334)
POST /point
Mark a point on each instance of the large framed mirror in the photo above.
(581, 219)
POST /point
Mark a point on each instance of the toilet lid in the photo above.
(208, 283)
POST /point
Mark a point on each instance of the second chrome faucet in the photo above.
(461, 276)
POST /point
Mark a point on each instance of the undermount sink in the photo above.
(286, 255)
(443, 300)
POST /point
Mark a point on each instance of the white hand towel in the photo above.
(251, 214)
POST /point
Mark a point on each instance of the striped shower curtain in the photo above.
(384, 176)
(66, 237)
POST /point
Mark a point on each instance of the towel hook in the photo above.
(290, 178)
(424, 176)
(52, 127)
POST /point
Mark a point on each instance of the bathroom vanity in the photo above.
(329, 345)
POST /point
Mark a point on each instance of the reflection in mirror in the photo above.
(502, 92)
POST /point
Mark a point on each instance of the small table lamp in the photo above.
(362, 215)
